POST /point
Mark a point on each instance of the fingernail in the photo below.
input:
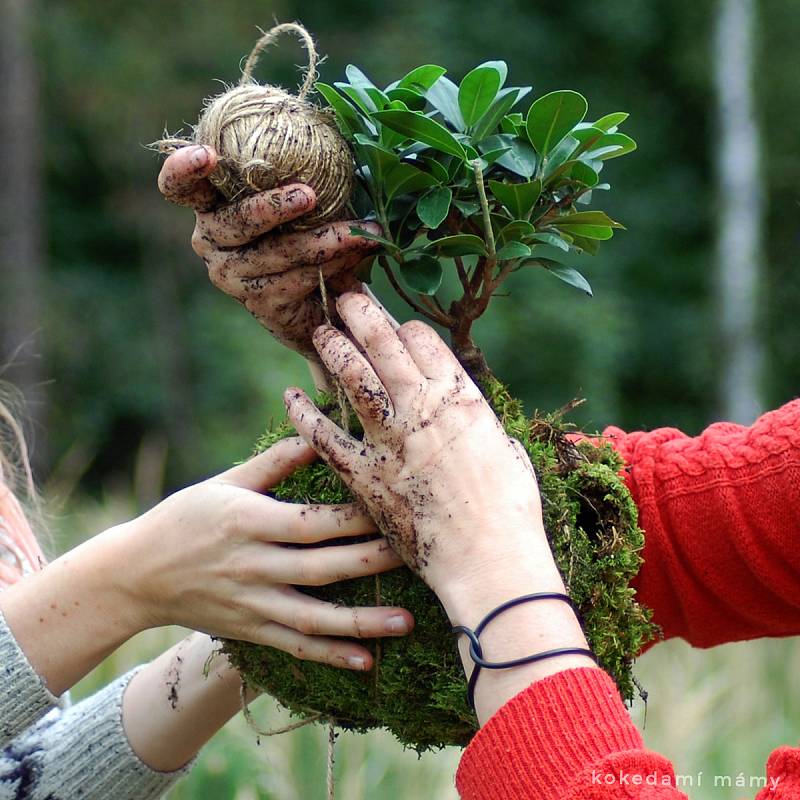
(356, 662)
(372, 227)
(396, 624)
(289, 395)
(199, 157)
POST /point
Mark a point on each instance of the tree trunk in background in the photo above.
(739, 251)
(21, 250)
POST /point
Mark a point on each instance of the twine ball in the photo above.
(266, 137)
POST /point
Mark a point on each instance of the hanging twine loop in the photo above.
(266, 137)
(267, 38)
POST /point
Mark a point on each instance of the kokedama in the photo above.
(461, 184)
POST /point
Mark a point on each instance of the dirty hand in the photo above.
(452, 492)
(274, 275)
(221, 557)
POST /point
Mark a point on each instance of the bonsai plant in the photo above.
(462, 183)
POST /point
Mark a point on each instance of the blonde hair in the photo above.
(16, 475)
(15, 465)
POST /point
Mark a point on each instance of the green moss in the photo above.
(418, 690)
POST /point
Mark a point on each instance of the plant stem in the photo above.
(436, 312)
(462, 272)
(487, 219)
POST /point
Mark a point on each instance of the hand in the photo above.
(274, 275)
(454, 494)
(444, 482)
(214, 557)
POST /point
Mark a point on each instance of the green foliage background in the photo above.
(147, 358)
(643, 350)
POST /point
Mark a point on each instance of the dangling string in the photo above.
(341, 397)
(248, 715)
(331, 748)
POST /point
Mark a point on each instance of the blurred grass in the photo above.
(712, 712)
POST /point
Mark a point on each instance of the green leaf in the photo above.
(464, 244)
(388, 137)
(567, 274)
(423, 129)
(346, 116)
(437, 169)
(591, 246)
(422, 274)
(610, 121)
(477, 92)
(433, 207)
(492, 156)
(552, 239)
(500, 66)
(518, 229)
(513, 250)
(373, 237)
(518, 198)
(612, 145)
(558, 157)
(552, 117)
(409, 98)
(502, 104)
(515, 125)
(467, 208)
(587, 218)
(359, 97)
(405, 178)
(379, 159)
(584, 174)
(588, 137)
(521, 159)
(443, 96)
(364, 88)
(601, 232)
(422, 77)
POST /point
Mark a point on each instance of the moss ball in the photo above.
(418, 689)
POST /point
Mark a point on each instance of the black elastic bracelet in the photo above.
(476, 652)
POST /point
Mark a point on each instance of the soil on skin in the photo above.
(418, 690)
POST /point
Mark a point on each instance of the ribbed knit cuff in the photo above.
(89, 751)
(23, 696)
(555, 739)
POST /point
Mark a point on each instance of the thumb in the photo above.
(266, 469)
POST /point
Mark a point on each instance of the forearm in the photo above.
(720, 516)
(178, 702)
(75, 612)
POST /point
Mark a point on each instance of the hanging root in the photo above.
(273, 731)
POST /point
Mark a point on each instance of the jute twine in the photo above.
(314, 717)
(266, 137)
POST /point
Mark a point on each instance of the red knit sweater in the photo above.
(721, 515)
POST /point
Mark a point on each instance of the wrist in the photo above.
(72, 614)
(119, 563)
(493, 577)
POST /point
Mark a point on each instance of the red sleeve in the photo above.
(569, 737)
(721, 516)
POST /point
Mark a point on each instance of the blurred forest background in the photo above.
(140, 377)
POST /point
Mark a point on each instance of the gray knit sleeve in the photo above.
(81, 752)
(23, 696)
